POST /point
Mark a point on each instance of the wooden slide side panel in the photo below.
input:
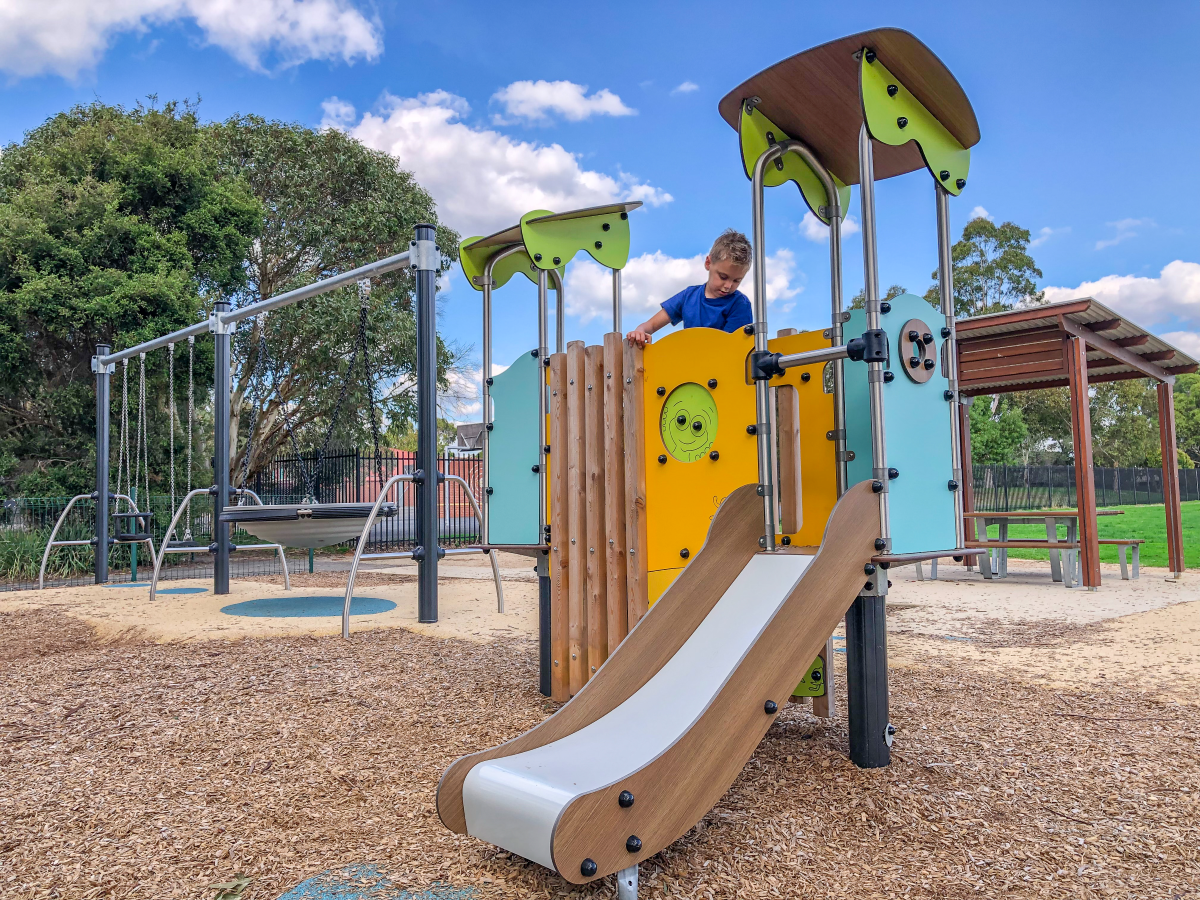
(732, 540)
(594, 538)
(675, 790)
(560, 545)
(577, 516)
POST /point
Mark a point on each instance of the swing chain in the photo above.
(171, 416)
(187, 532)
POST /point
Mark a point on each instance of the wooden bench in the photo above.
(1123, 544)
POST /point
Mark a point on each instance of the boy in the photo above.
(715, 304)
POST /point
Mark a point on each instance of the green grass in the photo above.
(1146, 522)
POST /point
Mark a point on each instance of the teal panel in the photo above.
(917, 434)
(513, 453)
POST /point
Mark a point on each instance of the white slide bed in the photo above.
(514, 802)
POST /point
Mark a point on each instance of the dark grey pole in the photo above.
(867, 681)
(425, 265)
(221, 403)
(103, 372)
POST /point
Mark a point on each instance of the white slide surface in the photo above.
(515, 801)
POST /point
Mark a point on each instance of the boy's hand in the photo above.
(639, 337)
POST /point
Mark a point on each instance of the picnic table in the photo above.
(1052, 518)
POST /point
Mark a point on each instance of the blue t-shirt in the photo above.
(691, 307)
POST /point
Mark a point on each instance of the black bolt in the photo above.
(662, 457)
(681, 419)
(625, 799)
(533, 353)
(891, 730)
(902, 122)
(929, 364)
(957, 558)
(816, 676)
(914, 361)
(877, 487)
(869, 586)
(587, 868)
(547, 448)
(537, 257)
(489, 381)
(889, 377)
(599, 244)
(885, 565)
(747, 329)
(606, 226)
(945, 331)
(660, 391)
(770, 707)
(960, 183)
(712, 382)
(806, 376)
(751, 429)
(685, 553)
(885, 307)
(624, 215)
(714, 455)
(893, 90)
(914, 335)
(490, 426)
(870, 54)
(546, 528)
(489, 491)
(558, 260)
(893, 473)
(952, 485)
(944, 174)
(633, 843)
(697, 426)
(869, 568)
(889, 580)
(927, 338)
(786, 541)
(770, 137)
(880, 543)
(535, 469)
(947, 395)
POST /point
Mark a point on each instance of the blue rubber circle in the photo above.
(310, 607)
(191, 590)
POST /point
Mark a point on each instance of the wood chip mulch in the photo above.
(155, 770)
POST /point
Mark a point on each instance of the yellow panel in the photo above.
(818, 460)
(682, 497)
(658, 582)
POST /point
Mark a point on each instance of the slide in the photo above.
(659, 734)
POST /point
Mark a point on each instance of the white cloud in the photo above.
(1174, 294)
(1125, 229)
(649, 279)
(979, 213)
(337, 113)
(686, 88)
(1044, 234)
(532, 100)
(482, 179)
(818, 232)
(1187, 341)
(65, 37)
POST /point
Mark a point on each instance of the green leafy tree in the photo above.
(1187, 414)
(859, 300)
(332, 204)
(992, 270)
(1125, 424)
(116, 225)
(998, 431)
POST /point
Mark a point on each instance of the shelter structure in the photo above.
(1074, 344)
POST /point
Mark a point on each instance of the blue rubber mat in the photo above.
(128, 584)
(366, 882)
(196, 590)
(307, 607)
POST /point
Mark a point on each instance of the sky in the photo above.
(1086, 111)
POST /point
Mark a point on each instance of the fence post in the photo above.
(358, 475)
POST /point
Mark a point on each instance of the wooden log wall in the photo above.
(597, 507)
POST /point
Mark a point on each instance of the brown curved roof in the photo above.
(814, 97)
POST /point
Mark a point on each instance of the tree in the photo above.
(331, 204)
(998, 431)
(1187, 414)
(859, 300)
(115, 226)
(992, 270)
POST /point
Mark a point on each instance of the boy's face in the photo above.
(724, 276)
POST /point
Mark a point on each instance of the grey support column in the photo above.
(762, 390)
(616, 284)
(543, 559)
(425, 263)
(946, 286)
(103, 373)
(221, 408)
(835, 334)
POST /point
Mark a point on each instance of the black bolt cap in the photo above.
(490, 491)
(885, 565)
(914, 361)
(889, 377)
(685, 553)
(960, 183)
(681, 419)
(662, 457)
(712, 382)
(952, 484)
(885, 307)
(869, 568)
(944, 174)
(714, 455)
(599, 245)
(947, 395)
(786, 541)
(889, 582)
(927, 338)
(770, 707)
(893, 473)
(625, 799)
(606, 226)
(660, 391)
(747, 329)
(490, 426)
(533, 353)
(624, 215)
(945, 331)
(633, 843)
(806, 376)
(870, 54)
(957, 558)
(537, 257)
(902, 122)
(929, 364)
(913, 335)
(877, 487)
(893, 90)
(869, 586)
(558, 260)
(535, 469)
(891, 730)
(751, 429)
(587, 868)
(697, 426)
(880, 543)
(490, 382)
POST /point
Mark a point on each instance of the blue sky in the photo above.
(1086, 112)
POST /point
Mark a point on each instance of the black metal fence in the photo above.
(1004, 488)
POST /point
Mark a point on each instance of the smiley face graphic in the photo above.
(689, 422)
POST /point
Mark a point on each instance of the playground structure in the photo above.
(793, 464)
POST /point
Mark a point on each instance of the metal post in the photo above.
(762, 390)
(616, 278)
(103, 372)
(560, 324)
(835, 334)
(866, 175)
(946, 284)
(221, 408)
(543, 561)
(427, 463)
(627, 883)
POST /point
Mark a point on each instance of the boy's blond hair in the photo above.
(733, 246)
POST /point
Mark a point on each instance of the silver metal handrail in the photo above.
(51, 543)
(359, 555)
(166, 548)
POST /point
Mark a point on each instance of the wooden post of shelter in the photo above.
(1075, 352)
(1170, 476)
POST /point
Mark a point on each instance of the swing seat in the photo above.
(309, 525)
(186, 545)
(134, 538)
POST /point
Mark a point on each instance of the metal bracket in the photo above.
(845, 316)
(102, 370)
(829, 212)
(880, 475)
(217, 326)
(878, 375)
(764, 365)
(876, 341)
(845, 456)
(480, 281)
(424, 256)
(835, 434)
(751, 104)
